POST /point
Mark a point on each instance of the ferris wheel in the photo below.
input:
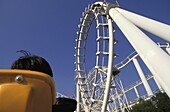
(95, 87)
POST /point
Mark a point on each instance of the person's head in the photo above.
(32, 62)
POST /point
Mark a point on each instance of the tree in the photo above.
(162, 102)
(158, 103)
(143, 106)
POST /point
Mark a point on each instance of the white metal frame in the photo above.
(153, 56)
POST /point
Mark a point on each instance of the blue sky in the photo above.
(48, 28)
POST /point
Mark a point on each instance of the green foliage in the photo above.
(158, 103)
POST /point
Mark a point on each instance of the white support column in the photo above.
(154, 57)
(157, 28)
(143, 78)
(136, 91)
(158, 84)
(78, 98)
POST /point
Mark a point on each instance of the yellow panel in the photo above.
(14, 97)
(36, 93)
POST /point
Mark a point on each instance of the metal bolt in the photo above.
(19, 79)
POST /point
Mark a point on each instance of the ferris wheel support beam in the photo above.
(154, 57)
(157, 28)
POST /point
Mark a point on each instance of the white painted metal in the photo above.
(93, 86)
(119, 100)
(124, 94)
(134, 54)
(97, 100)
(110, 65)
(136, 91)
(143, 78)
(127, 60)
(78, 98)
(158, 84)
(78, 61)
(165, 46)
(108, 109)
(114, 101)
(168, 50)
(154, 57)
(157, 28)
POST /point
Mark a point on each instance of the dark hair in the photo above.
(32, 62)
